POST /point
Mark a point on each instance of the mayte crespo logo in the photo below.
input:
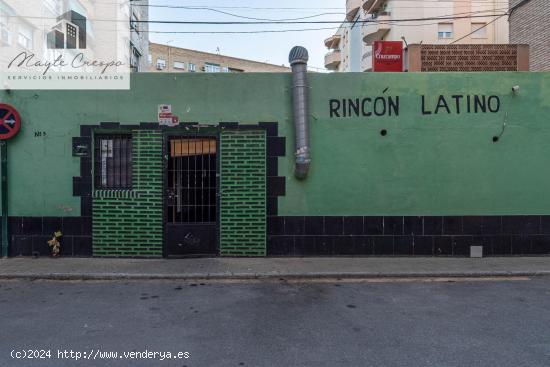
(76, 64)
(68, 44)
(69, 32)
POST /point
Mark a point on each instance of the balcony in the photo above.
(377, 31)
(352, 7)
(366, 62)
(333, 60)
(371, 6)
(333, 42)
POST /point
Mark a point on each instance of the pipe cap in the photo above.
(298, 55)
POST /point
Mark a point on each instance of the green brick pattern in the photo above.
(243, 193)
(130, 224)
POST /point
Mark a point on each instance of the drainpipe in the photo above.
(298, 59)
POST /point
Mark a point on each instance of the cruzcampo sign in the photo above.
(387, 56)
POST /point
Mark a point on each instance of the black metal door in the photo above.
(191, 196)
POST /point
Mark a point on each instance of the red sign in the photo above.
(10, 121)
(166, 118)
(387, 56)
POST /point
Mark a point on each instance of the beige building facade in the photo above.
(445, 22)
(165, 58)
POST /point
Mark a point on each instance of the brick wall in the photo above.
(529, 25)
(468, 58)
(129, 223)
(198, 58)
(243, 193)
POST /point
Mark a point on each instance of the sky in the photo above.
(265, 47)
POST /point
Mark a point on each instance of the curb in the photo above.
(268, 276)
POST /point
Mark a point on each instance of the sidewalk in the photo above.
(265, 268)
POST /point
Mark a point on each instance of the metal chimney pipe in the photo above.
(298, 59)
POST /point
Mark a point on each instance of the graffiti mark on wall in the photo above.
(66, 209)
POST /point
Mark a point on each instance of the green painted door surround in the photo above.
(443, 163)
(130, 222)
(243, 193)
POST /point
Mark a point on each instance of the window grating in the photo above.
(192, 180)
(113, 162)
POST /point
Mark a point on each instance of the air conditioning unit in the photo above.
(160, 66)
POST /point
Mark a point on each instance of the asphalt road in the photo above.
(467, 323)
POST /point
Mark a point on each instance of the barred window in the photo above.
(113, 162)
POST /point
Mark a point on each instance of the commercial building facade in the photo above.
(424, 164)
(166, 58)
(454, 21)
(528, 24)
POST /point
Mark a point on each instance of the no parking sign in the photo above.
(10, 121)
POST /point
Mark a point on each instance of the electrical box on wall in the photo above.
(81, 147)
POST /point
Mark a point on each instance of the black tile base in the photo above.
(37, 246)
(331, 236)
(29, 236)
(408, 236)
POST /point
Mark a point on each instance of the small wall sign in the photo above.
(81, 147)
(165, 116)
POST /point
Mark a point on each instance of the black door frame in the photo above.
(189, 132)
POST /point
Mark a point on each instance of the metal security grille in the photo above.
(191, 186)
(113, 162)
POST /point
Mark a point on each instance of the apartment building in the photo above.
(445, 22)
(139, 35)
(346, 45)
(165, 58)
(529, 24)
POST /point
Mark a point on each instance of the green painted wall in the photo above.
(441, 164)
(129, 223)
(429, 164)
